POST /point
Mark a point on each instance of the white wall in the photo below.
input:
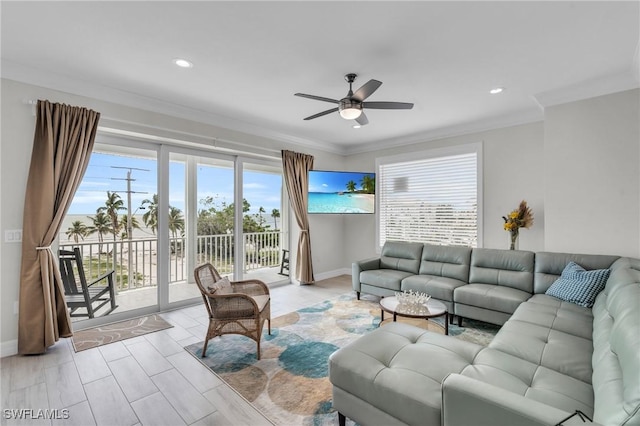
(592, 171)
(18, 122)
(512, 159)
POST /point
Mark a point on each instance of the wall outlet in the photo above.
(13, 236)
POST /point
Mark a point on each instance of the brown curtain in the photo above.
(62, 145)
(296, 176)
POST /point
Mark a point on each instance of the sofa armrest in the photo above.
(362, 265)
(467, 401)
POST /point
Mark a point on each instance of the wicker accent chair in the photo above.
(234, 307)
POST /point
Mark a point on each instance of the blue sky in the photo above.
(328, 181)
(260, 189)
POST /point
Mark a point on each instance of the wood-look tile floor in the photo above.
(146, 380)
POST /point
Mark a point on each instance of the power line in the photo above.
(129, 179)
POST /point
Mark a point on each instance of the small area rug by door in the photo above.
(290, 383)
(104, 334)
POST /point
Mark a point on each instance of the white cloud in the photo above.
(254, 185)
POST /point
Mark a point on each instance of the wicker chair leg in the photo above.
(258, 342)
(204, 350)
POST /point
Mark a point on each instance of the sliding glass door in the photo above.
(109, 223)
(200, 219)
(154, 212)
(263, 237)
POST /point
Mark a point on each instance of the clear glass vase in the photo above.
(514, 239)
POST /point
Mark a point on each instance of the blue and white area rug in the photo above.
(290, 383)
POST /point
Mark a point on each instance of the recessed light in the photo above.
(496, 90)
(356, 126)
(183, 63)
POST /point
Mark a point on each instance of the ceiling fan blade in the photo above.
(317, 98)
(320, 114)
(366, 90)
(362, 119)
(387, 105)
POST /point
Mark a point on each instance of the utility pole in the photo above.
(129, 179)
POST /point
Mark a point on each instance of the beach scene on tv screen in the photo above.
(341, 192)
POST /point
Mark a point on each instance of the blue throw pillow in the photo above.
(578, 285)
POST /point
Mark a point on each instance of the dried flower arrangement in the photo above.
(522, 217)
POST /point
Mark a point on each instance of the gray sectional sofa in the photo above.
(549, 359)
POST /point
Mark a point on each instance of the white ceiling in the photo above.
(251, 57)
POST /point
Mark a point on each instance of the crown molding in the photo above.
(491, 123)
(625, 80)
(63, 83)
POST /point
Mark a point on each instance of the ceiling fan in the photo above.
(351, 106)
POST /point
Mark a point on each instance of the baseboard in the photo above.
(8, 348)
(331, 274)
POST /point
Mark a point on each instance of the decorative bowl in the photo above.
(412, 298)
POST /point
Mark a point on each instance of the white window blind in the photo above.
(432, 200)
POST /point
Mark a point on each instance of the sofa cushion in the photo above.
(385, 278)
(440, 288)
(531, 380)
(488, 296)
(401, 255)
(578, 285)
(399, 369)
(556, 314)
(446, 261)
(556, 350)
(508, 268)
(550, 265)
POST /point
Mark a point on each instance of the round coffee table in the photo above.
(431, 309)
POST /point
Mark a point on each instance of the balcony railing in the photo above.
(136, 260)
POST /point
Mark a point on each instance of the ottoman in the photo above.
(394, 375)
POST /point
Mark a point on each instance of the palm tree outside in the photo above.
(275, 214)
(112, 207)
(77, 230)
(261, 219)
(150, 217)
(176, 221)
(124, 221)
(101, 225)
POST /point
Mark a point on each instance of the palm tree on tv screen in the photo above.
(368, 184)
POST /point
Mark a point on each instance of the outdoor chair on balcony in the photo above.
(80, 293)
(239, 307)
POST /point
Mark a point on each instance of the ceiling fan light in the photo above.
(350, 113)
(349, 110)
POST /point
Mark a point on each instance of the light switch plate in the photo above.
(13, 236)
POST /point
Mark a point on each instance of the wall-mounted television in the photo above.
(341, 192)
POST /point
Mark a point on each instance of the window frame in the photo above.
(469, 148)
